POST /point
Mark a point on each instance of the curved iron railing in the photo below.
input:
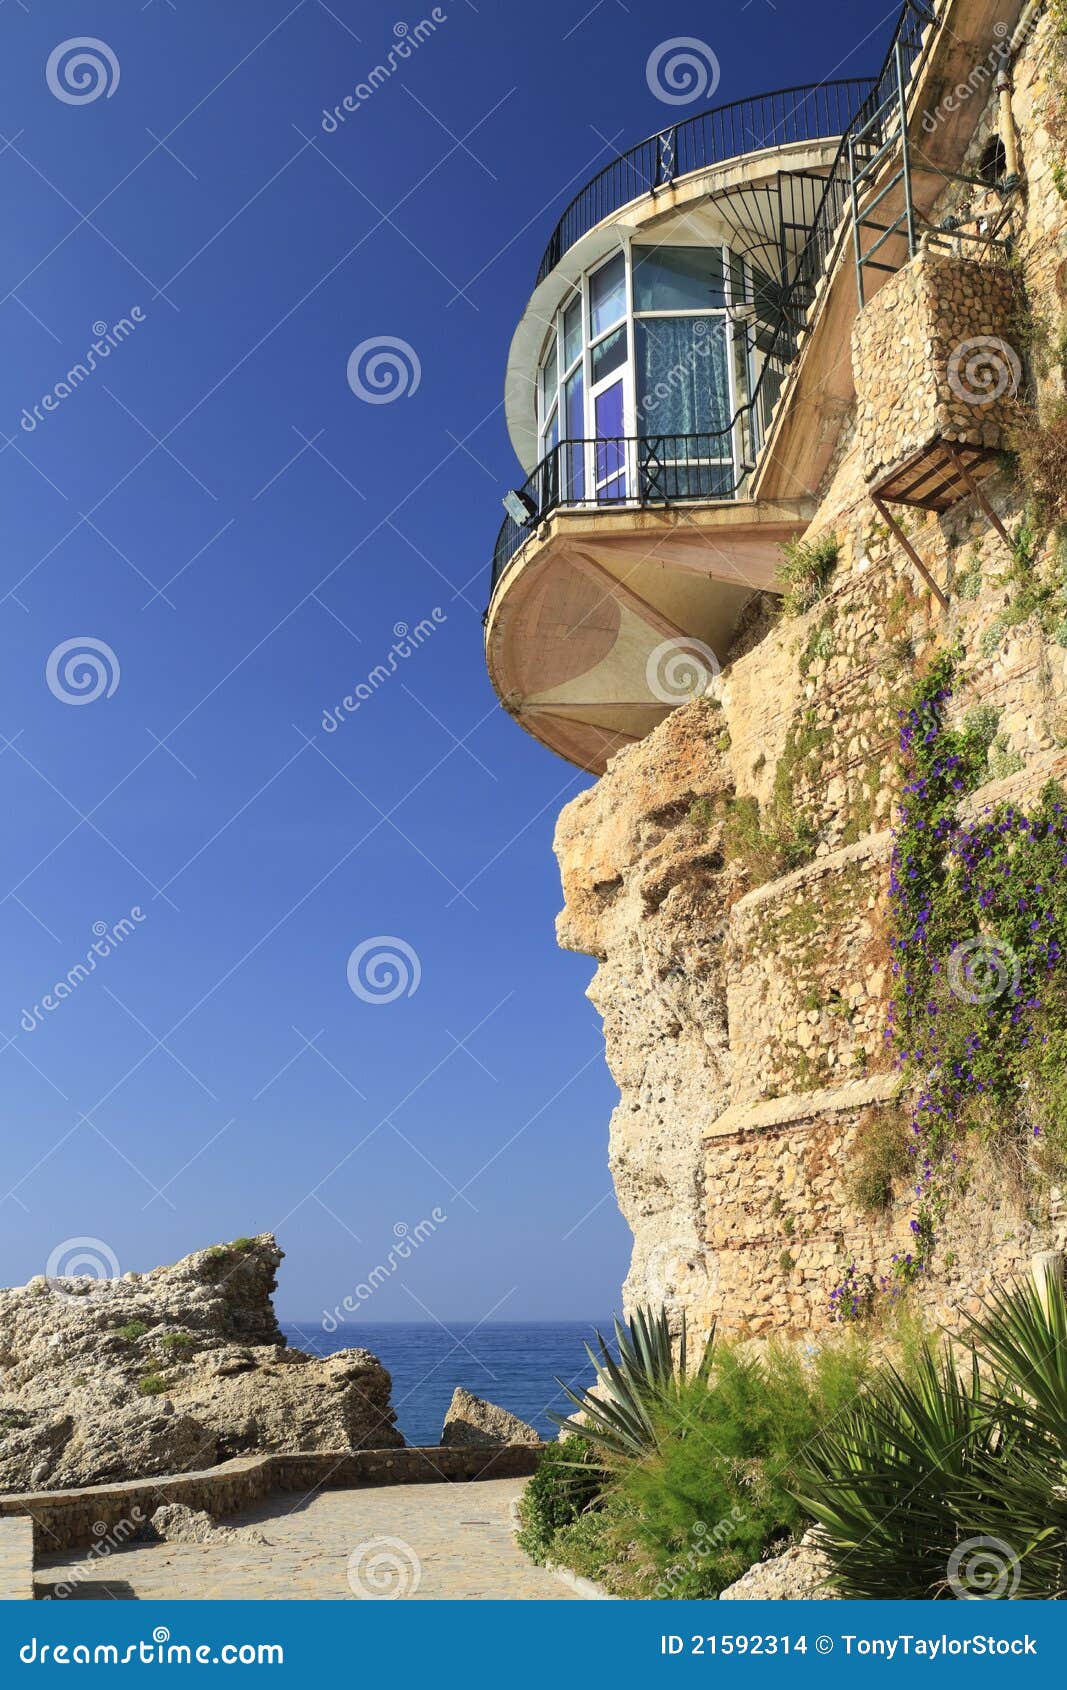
(547, 487)
(816, 112)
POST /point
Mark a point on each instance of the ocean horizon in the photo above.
(514, 1364)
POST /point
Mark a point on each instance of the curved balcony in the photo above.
(817, 112)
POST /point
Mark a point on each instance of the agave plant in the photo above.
(953, 1484)
(622, 1414)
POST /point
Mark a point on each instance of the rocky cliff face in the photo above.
(168, 1372)
(646, 892)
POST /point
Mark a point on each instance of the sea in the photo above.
(514, 1364)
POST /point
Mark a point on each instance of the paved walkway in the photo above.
(428, 1541)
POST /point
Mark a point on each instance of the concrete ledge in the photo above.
(16, 1561)
(74, 1518)
(872, 845)
(803, 1106)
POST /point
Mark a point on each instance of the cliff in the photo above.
(732, 872)
(168, 1372)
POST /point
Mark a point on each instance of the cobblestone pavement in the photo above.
(427, 1542)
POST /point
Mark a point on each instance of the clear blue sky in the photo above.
(218, 508)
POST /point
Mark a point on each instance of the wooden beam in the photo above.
(974, 488)
(887, 516)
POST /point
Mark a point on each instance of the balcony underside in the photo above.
(594, 622)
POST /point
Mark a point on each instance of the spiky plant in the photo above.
(955, 1485)
(622, 1413)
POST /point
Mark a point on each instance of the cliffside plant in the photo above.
(951, 1483)
(152, 1385)
(713, 1491)
(621, 1414)
(568, 1481)
(979, 916)
(805, 571)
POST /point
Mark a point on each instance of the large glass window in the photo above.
(645, 383)
(678, 278)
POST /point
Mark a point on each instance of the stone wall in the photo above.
(96, 1513)
(744, 1007)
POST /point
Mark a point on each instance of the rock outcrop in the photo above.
(646, 894)
(473, 1423)
(797, 1576)
(168, 1372)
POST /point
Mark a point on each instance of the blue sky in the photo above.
(218, 508)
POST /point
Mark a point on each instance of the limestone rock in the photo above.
(471, 1421)
(168, 1372)
(175, 1523)
(797, 1576)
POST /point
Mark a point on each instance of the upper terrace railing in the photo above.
(641, 171)
(815, 113)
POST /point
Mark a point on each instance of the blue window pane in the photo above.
(611, 447)
(572, 332)
(574, 398)
(678, 278)
(607, 296)
(609, 353)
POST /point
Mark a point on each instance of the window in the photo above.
(645, 380)
(678, 278)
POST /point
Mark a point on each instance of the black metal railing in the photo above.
(818, 112)
(653, 469)
(650, 474)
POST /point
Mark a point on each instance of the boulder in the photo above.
(797, 1576)
(103, 1380)
(471, 1422)
(175, 1523)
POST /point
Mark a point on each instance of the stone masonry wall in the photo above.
(744, 1010)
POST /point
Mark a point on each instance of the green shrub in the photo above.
(881, 1157)
(568, 1481)
(242, 1243)
(806, 570)
(133, 1330)
(177, 1344)
(620, 1415)
(152, 1385)
(953, 1483)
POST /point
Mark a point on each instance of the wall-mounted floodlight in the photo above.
(520, 507)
